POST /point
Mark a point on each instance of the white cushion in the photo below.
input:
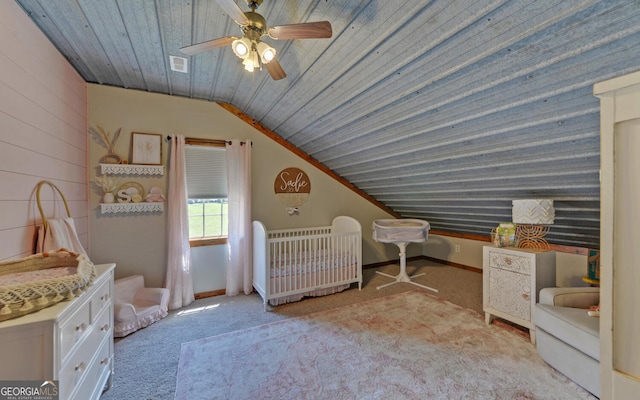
(576, 297)
(572, 326)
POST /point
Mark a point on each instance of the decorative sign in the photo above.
(292, 186)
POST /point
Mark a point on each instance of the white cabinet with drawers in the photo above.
(512, 279)
(71, 342)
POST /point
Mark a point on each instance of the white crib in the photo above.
(289, 264)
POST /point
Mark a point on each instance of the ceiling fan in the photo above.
(250, 47)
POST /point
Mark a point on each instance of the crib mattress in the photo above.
(304, 262)
(310, 270)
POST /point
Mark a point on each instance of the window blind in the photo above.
(206, 172)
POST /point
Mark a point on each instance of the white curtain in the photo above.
(179, 280)
(240, 273)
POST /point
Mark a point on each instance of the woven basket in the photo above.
(21, 299)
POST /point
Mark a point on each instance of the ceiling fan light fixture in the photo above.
(267, 53)
(250, 63)
(241, 47)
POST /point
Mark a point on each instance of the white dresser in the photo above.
(512, 279)
(71, 342)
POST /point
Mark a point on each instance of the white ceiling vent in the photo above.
(178, 64)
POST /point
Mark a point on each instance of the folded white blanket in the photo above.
(60, 234)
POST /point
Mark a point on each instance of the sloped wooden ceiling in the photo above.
(442, 110)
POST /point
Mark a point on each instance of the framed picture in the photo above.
(146, 148)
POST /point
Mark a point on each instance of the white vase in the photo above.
(108, 198)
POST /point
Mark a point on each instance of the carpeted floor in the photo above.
(146, 362)
(409, 345)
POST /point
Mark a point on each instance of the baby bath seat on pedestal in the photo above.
(401, 232)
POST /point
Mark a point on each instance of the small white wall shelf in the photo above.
(113, 208)
(131, 169)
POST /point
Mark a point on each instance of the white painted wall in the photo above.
(210, 268)
(43, 120)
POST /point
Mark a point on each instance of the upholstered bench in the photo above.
(567, 338)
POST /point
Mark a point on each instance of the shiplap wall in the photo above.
(43, 125)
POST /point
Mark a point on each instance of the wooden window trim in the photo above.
(207, 241)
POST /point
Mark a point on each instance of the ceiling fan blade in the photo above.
(309, 30)
(208, 45)
(232, 9)
(275, 70)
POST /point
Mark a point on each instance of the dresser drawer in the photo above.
(510, 262)
(73, 329)
(79, 362)
(102, 325)
(101, 298)
(96, 375)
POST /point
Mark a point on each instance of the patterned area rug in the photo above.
(410, 345)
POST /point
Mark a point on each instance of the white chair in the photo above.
(136, 306)
(567, 338)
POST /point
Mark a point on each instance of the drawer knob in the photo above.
(80, 367)
(105, 328)
(507, 260)
(105, 361)
(105, 297)
(81, 327)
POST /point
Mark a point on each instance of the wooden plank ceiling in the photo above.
(442, 110)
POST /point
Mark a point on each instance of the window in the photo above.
(207, 192)
(208, 217)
